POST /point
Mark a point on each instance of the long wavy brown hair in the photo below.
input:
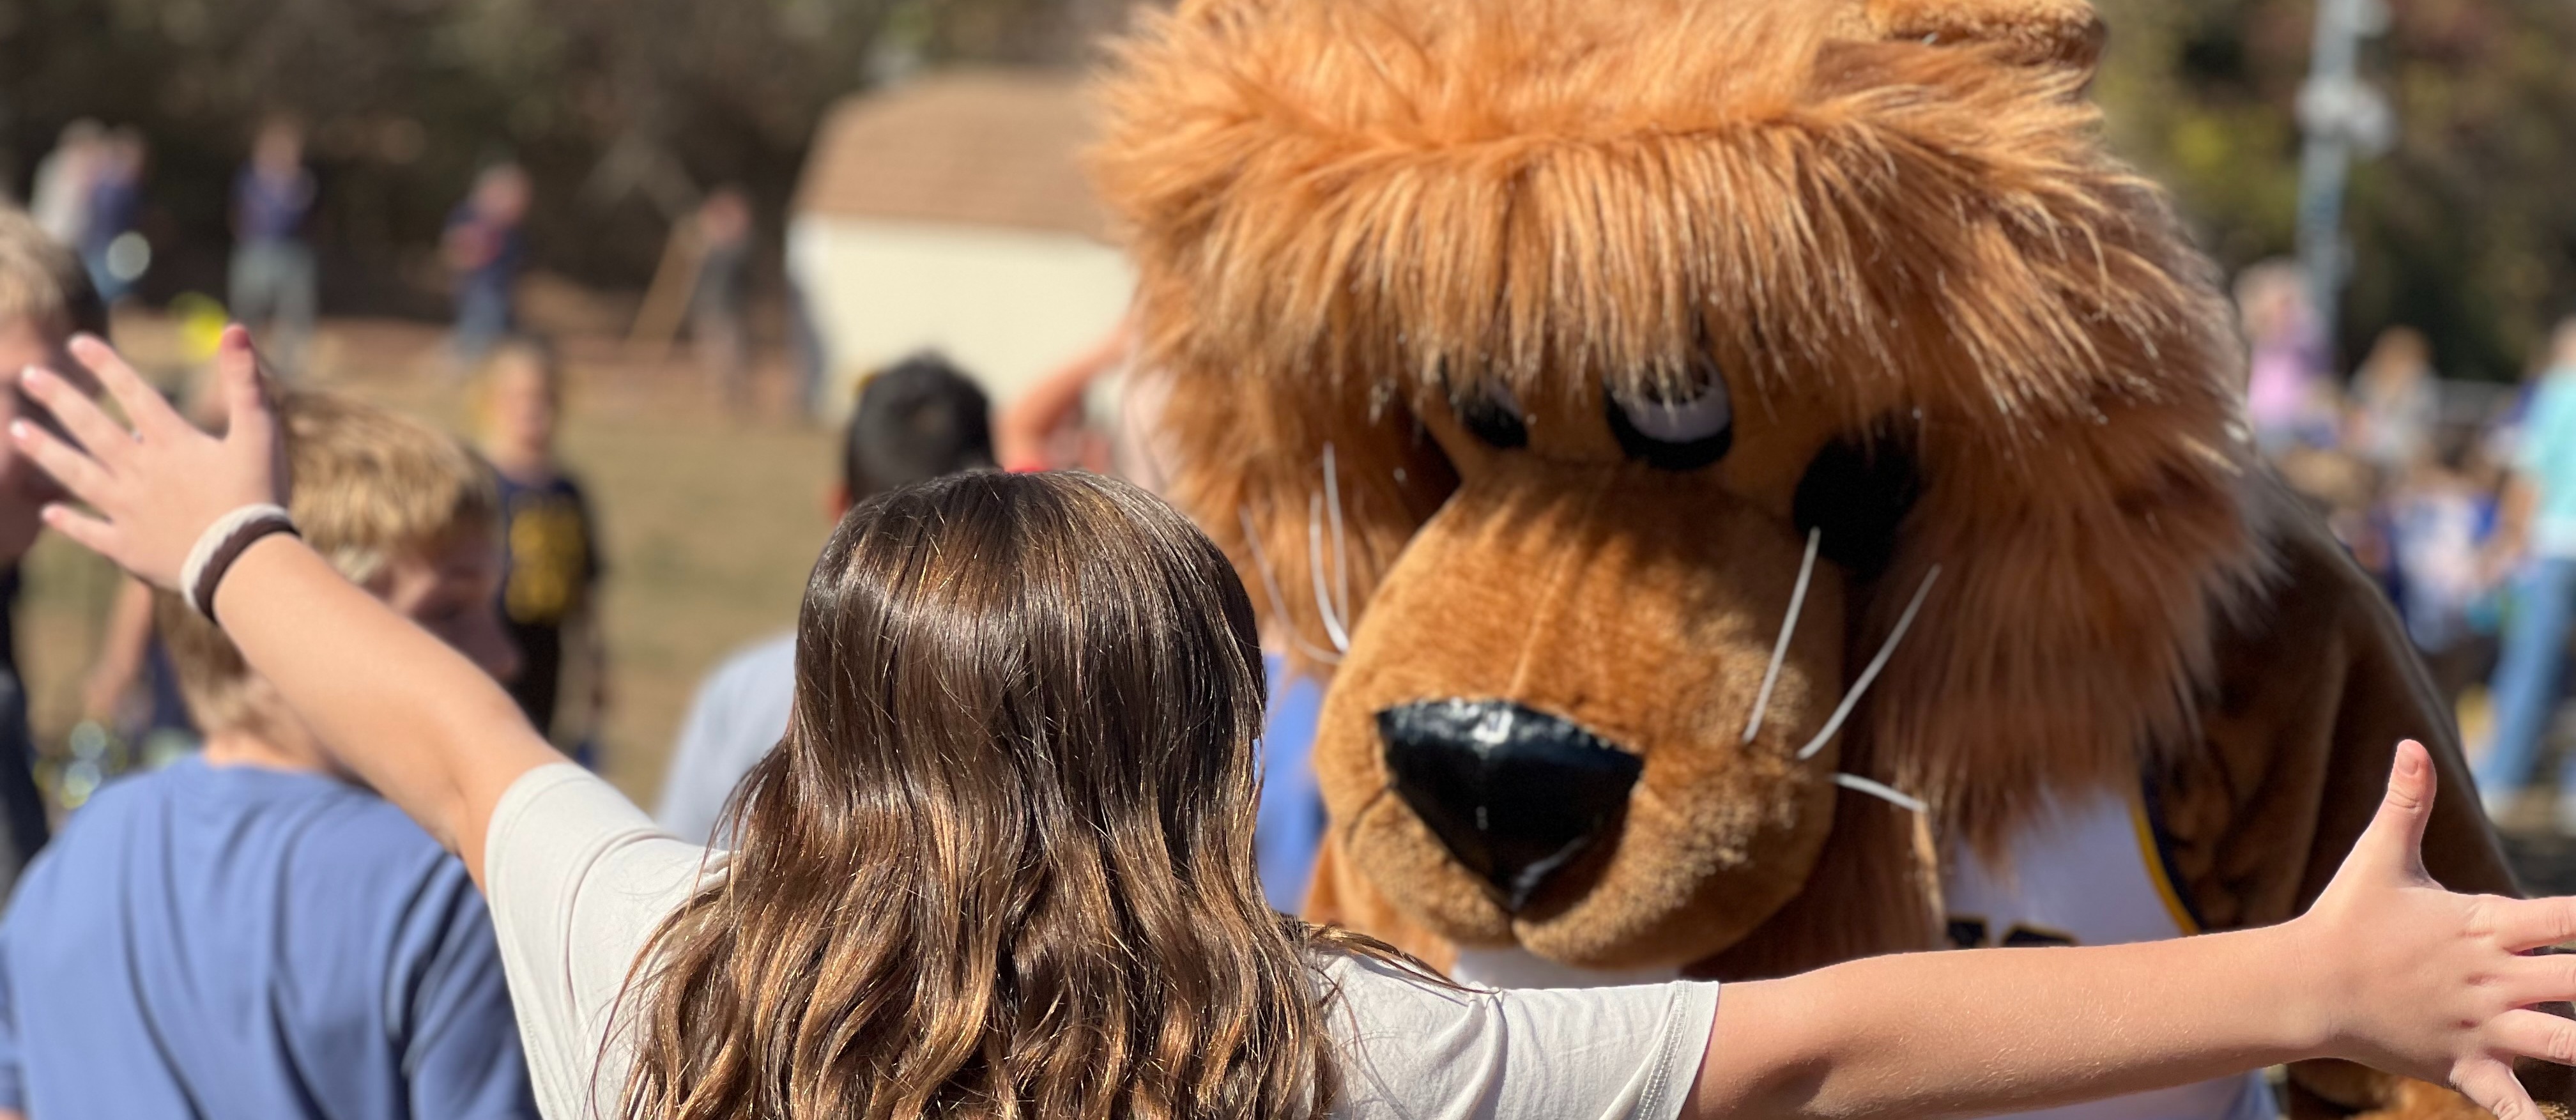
(1001, 865)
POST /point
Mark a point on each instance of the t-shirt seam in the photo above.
(1656, 1081)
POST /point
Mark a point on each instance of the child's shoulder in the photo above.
(323, 823)
(357, 828)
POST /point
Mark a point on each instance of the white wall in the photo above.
(1006, 305)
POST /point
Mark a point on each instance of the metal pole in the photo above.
(2342, 117)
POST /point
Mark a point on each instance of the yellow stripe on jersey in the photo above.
(2154, 856)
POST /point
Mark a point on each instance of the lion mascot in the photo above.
(1764, 485)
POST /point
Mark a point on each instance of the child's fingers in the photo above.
(2536, 923)
(2535, 1034)
(2545, 978)
(86, 531)
(2395, 838)
(78, 473)
(2491, 1083)
(97, 434)
(247, 415)
(151, 415)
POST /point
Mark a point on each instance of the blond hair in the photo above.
(41, 280)
(370, 487)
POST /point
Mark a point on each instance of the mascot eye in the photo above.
(1678, 428)
(1857, 495)
(1489, 410)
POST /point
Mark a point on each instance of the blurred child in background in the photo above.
(2442, 510)
(550, 581)
(718, 326)
(247, 932)
(273, 286)
(484, 249)
(2395, 402)
(110, 245)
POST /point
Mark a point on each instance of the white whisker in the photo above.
(1341, 549)
(1851, 699)
(1278, 602)
(1315, 568)
(1788, 627)
(1858, 784)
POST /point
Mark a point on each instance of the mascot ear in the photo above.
(2061, 33)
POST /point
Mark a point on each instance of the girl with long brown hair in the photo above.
(1001, 864)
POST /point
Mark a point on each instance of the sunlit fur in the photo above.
(1001, 865)
(1336, 203)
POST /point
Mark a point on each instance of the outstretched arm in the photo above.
(2387, 969)
(413, 718)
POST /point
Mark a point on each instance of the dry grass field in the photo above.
(709, 521)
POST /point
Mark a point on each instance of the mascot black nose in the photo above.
(1516, 794)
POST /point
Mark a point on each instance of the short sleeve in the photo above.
(578, 879)
(1414, 1050)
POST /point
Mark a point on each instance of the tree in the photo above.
(2467, 230)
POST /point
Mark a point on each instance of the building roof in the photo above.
(974, 147)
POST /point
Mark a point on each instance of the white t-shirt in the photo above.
(578, 878)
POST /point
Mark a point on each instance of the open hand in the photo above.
(156, 488)
(2430, 984)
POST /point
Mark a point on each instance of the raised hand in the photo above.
(2431, 984)
(156, 488)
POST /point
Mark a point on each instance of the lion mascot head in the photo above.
(1725, 456)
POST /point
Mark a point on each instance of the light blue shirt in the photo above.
(741, 711)
(230, 941)
(2548, 458)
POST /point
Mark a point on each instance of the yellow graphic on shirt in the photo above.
(549, 561)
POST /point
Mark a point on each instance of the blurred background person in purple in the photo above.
(2288, 396)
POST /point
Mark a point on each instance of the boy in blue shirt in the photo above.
(249, 933)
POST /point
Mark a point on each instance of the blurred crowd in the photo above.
(2457, 496)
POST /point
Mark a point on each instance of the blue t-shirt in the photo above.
(1288, 829)
(242, 942)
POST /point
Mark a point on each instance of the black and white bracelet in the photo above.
(222, 543)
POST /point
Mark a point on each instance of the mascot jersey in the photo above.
(2091, 872)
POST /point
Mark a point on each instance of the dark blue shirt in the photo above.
(242, 942)
(267, 208)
